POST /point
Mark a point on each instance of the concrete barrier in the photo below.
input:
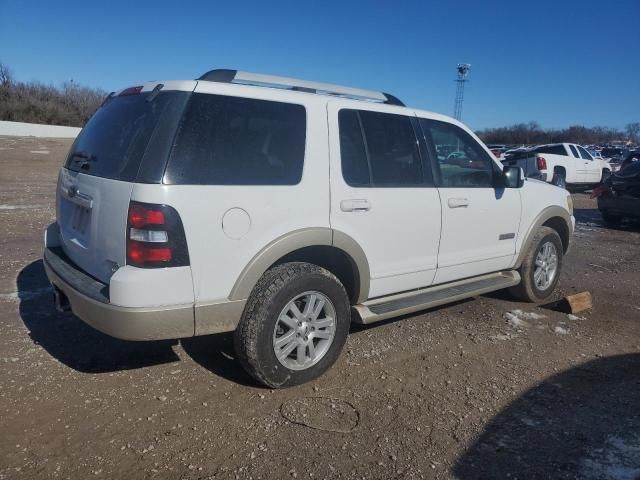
(19, 129)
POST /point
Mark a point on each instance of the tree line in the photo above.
(72, 105)
(33, 102)
(533, 134)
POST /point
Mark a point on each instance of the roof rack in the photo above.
(261, 80)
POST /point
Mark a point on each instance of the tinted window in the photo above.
(553, 149)
(113, 142)
(225, 140)
(379, 149)
(353, 155)
(461, 160)
(574, 151)
(584, 154)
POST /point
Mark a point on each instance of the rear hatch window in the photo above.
(115, 140)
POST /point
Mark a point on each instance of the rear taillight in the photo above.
(541, 163)
(155, 237)
(496, 152)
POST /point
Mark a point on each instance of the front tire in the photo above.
(294, 326)
(540, 269)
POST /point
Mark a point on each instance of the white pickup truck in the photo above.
(560, 164)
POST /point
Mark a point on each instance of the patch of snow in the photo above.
(42, 152)
(575, 317)
(618, 459)
(528, 315)
(514, 320)
(25, 296)
(18, 207)
(561, 330)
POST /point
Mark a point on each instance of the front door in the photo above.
(382, 194)
(479, 222)
(590, 169)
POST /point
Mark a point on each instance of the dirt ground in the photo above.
(456, 392)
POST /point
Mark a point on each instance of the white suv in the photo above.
(282, 209)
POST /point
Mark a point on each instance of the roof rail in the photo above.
(261, 80)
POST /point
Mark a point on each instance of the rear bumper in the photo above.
(89, 300)
(622, 206)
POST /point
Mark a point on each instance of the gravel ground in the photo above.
(485, 388)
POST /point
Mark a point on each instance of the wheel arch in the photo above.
(554, 217)
(336, 251)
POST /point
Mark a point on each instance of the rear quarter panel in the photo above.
(217, 260)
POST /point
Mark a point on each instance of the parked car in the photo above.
(280, 214)
(619, 196)
(613, 155)
(632, 156)
(560, 164)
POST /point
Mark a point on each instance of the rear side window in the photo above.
(226, 140)
(379, 150)
(553, 150)
(113, 142)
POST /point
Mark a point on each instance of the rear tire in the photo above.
(559, 180)
(541, 267)
(279, 341)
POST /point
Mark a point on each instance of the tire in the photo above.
(611, 220)
(559, 180)
(529, 290)
(281, 294)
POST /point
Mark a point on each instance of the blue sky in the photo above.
(556, 62)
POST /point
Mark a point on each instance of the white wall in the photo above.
(19, 129)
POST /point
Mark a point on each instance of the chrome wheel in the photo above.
(546, 266)
(304, 331)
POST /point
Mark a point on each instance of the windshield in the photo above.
(113, 142)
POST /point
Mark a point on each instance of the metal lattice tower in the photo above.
(463, 73)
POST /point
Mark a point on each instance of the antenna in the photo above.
(463, 73)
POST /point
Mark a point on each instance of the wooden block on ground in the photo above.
(579, 302)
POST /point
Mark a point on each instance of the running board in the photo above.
(410, 302)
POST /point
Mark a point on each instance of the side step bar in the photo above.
(395, 305)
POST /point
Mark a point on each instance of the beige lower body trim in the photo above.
(218, 317)
(128, 323)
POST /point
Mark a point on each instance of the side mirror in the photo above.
(513, 177)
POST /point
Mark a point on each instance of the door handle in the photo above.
(458, 202)
(355, 205)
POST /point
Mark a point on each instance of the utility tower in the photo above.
(463, 73)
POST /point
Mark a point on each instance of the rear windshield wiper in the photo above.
(84, 158)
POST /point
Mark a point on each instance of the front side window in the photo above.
(379, 150)
(584, 154)
(226, 140)
(462, 162)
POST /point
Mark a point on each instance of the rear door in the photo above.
(479, 221)
(126, 140)
(382, 195)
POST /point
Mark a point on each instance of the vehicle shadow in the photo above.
(581, 423)
(72, 342)
(216, 353)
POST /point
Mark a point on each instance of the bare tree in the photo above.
(5, 76)
(633, 131)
